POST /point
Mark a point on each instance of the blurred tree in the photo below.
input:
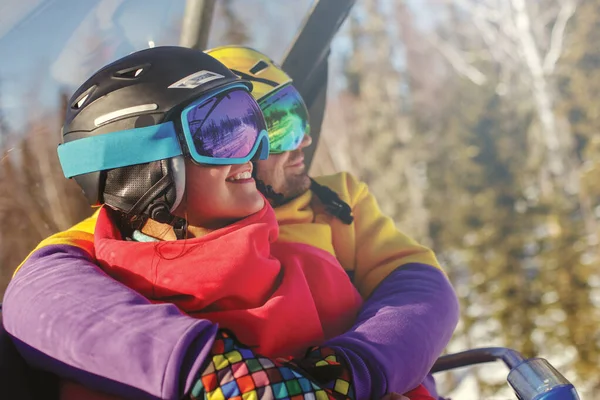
(456, 126)
(36, 199)
(476, 227)
(236, 31)
(4, 130)
(577, 246)
(525, 232)
(378, 136)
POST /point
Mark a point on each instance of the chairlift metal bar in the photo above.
(197, 20)
(311, 45)
(510, 357)
(306, 59)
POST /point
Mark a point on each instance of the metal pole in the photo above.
(311, 45)
(306, 60)
(510, 357)
(196, 23)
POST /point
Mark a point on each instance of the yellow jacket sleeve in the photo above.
(80, 235)
(371, 246)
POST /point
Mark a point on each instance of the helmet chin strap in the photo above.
(177, 171)
(180, 226)
(159, 212)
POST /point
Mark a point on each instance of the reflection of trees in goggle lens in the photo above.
(284, 108)
(226, 129)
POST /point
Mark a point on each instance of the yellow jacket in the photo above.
(370, 248)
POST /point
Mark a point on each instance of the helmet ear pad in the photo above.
(152, 189)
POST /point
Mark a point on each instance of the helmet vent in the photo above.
(124, 112)
(131, 73)
(79, 102)
(259, 66)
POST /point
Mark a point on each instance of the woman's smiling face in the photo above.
(216, 196)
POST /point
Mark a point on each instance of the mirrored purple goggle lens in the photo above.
(226, 126)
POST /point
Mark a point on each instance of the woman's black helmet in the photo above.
(142, 89)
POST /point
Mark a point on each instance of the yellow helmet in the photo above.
(266, 76)
(283, 107)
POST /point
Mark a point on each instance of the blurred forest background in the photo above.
(476, 123)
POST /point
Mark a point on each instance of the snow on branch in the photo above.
(567, 10)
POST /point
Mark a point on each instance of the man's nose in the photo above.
(306, 141)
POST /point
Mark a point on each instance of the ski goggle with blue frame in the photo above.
(222, 127)
(286, 117)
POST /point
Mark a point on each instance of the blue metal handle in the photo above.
(531, 379)
(536, 379)
(566, 392)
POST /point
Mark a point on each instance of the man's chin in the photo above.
(296, 186)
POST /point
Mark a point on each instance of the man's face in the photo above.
(286, 172)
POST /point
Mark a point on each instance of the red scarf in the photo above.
(280, 298)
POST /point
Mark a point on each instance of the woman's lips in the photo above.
(237, 181)
(241, 177)
(243, 171)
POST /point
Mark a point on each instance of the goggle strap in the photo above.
(119, 149)
(255, 79)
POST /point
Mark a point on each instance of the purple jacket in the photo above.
(66, 315)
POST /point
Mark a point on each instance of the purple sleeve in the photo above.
(400, 331)
(66, 315)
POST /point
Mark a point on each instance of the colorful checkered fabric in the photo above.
(236, 373)
(328, 369)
